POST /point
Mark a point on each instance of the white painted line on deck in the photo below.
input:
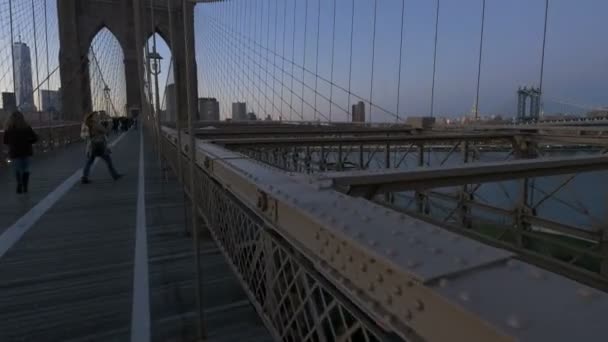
(14, 233)
(140, 314)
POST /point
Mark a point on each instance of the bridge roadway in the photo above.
(70, 276)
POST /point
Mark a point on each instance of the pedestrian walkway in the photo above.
(70, 276)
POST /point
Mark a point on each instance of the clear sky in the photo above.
(242, 56)
(576, 68)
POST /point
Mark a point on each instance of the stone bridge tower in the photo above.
(131, 23)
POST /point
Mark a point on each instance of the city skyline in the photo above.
(576, 64)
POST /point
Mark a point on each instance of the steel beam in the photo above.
(372, 182)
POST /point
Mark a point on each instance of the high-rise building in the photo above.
(171, 104)
(251, 116)
(209, 109)
(50, 100)
(9, 104)
(358, 114)
(239, 111)
(23, 77)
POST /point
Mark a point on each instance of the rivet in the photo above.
(511, 263)
(514, 322)
(391, 252)
(345, 227)
(363, 267)
(537, 274)
(373, 243)
(397, 291)
(332, 220)
(331, 258)
(436, 250)
(322, 250)
(358, 235)
(419, 305)
(294, 200)
(464, 296)
(412, 264)
(367, 219)
(412, 241)
(317, 236)
(389, 299)
(408, 315)
(379, 278)
(371, 287)
(403, 217)
(397, 232)
(443, 283)
(586, 293)
(343, 267)
(350, 258)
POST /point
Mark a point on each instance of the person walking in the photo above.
(97, 146)
(19, 136)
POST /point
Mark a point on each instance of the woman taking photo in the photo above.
(97, 146)
(19, 136)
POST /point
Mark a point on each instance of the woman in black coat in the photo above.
(19, 136)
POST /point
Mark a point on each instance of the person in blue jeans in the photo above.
(19, 136)
(97, 146)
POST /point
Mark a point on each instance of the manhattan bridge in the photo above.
(291, 175)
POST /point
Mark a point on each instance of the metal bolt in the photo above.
(514, 322)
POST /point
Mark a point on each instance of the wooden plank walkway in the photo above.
(70, 277)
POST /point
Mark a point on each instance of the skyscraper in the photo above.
(50, 100)
(209, 109)
(358, 112)
(239, 111)
(23, 77)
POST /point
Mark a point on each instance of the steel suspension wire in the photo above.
(542, 62)
(317, 58)
(350, 65)
(333, 51)
(483, 21)
(400, 57)
(432, 112)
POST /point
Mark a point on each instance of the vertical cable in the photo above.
(10, 9)
(317, 58)
(435, 60)
(371, 88)
(483, 21)
(333, 49)
(46, 38)
(266, 87)
(283, 56)
(293, 56)
(304, 59)
(274, 54)
(542, 63)
(36, 54)
(400, 57)
(350, 68)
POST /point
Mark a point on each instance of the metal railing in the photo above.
(322, 266)
(49, 138)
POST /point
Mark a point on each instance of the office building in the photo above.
(23, 77)
(358, 113)
(209, 109)
(251, 116)
(9, 103)
(170, 103)
(239, 111)
(50, 100)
